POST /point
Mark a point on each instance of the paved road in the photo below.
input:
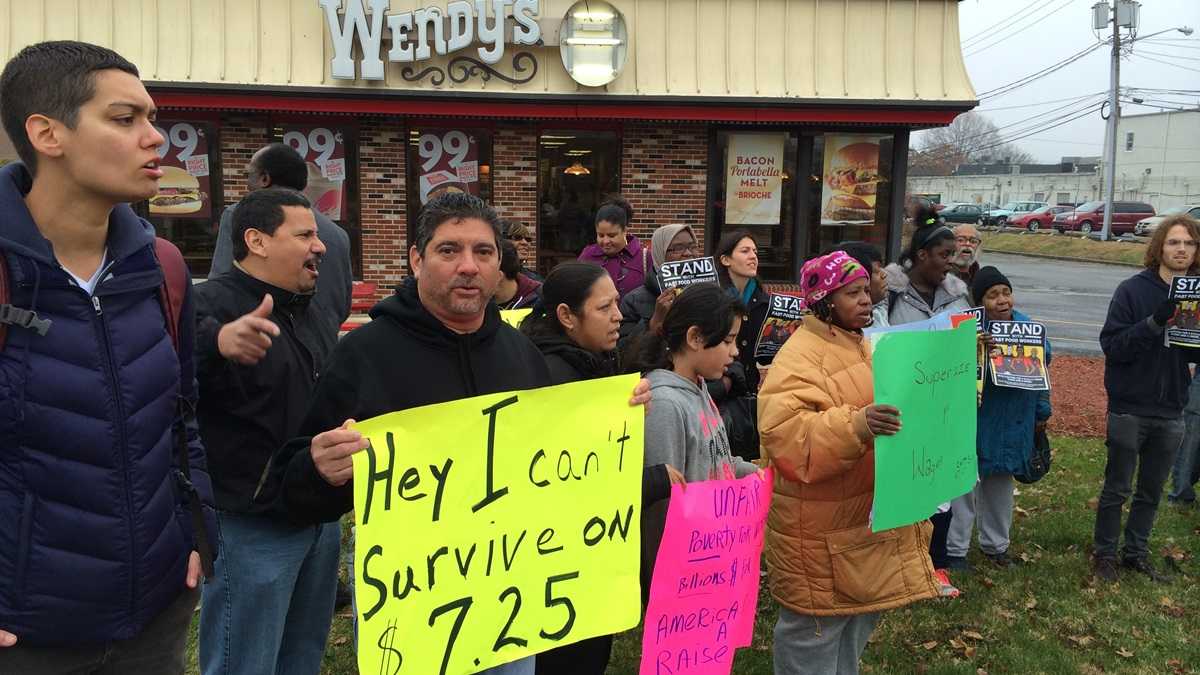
(1071, 298)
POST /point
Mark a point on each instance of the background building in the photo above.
(707, 112)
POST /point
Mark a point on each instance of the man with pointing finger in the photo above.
(258, 353)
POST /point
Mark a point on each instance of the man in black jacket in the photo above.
(258, 352)
(439, 338)
(1147, 384)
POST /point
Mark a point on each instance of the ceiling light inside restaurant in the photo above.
(576, 169)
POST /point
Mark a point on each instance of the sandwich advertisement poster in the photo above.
(1184, 328)
(1018, 357)
(324, 151)
(754, 179)
(184, 189)
(851, 173)
(449, 162)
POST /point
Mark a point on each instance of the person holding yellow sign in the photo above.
(576, 327)
(439, 338)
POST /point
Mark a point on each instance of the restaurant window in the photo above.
(186, 209)
(576, 169)
(757, 193)
(849, 183)
(447, 159)
(331, 152)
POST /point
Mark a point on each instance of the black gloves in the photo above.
(736, 372)
(1165, 311)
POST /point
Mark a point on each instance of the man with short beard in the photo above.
(439, 338)
(967, 253)
(1147, 384)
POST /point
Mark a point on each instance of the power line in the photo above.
(996, 26)
(1166, 63)
(1017, 84)
(1035, 105)
(1169, 56)
(976, 49)
(1180, 92)
(1039, 131)
(1017, 134)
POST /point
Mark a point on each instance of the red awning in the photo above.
(710, 110)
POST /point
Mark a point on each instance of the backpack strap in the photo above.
(174, 287)
(171, 295)
(15, 316)
(893, 296)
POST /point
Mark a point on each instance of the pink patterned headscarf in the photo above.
(821, 276)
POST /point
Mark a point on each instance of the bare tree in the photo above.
(971, 138)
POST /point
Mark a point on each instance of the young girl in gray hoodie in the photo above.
(683, 426)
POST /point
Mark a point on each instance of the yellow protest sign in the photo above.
(497, 527)
(514, 317)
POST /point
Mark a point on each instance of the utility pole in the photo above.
(1114, 113)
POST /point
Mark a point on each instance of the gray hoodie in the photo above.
(684, 429)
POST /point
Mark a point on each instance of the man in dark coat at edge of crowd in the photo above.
(269, 605)
(441, 329)
(1147, 383)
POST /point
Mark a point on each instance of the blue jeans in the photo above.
(269, 605)
(1144, 447)
(1187, 466)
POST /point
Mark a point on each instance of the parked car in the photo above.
(1146, 226)
(1038, 218)
(1090, 217)
(961, 213)
(1001, 215)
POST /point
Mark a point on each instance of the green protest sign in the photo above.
(930, 377)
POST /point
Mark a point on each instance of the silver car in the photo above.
(1146, 226)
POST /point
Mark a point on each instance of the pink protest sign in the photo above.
(705, 588)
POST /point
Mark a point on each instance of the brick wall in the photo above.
(514, 177)
(241, 137)
(383, 199)
(664, 175)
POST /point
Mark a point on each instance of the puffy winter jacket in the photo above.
(1004, 435)
(94, 531)
(823, 558)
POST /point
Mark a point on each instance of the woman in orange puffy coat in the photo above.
(831, 575)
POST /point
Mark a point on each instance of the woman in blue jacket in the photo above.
(1008, 419)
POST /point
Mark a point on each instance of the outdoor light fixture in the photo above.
(593, 42)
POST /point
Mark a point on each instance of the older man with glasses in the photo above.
(966, 254)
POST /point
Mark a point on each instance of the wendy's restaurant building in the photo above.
(788, 118)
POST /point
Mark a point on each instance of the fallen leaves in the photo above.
(1093, 503)
(1080, 640)
(1124, 653)
(1031, 603)
(929, 646)
(1167, 606)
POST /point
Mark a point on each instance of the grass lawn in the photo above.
(1068, 246)
(1044, 616)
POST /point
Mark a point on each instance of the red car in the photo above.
(1090, 217)
(1037, 219)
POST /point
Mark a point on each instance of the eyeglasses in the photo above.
(968, 240)
(684, 248)
(1189, 243)
(521, 238)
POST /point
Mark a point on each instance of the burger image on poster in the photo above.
(178, 192)
(325, 194)
(851, 181)
(439, 182)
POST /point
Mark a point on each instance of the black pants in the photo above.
(937, 545)
(586, 657)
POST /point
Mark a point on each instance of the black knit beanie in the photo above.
(985, 278)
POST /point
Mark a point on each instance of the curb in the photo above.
(1063, 258)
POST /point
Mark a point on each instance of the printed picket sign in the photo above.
(1183, 329)
(704, 594)
(493, 528)
(683, 273)
(514, 317)
(1018, 358)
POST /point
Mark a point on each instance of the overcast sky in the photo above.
(1006, 40)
